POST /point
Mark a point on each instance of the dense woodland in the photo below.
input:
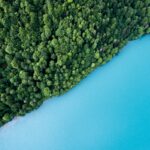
(48, 46)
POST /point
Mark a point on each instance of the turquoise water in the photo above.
(109, 110)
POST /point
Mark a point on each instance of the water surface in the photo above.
(109, 110)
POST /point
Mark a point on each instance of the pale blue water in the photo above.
(109, 110)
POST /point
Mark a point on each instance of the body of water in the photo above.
(109, 110)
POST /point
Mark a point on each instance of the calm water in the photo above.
(109, 110)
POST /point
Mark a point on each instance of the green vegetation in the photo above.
(48, 46)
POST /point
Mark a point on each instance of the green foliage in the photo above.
(46, 92)
(69, 1)
(6, 117)
(48, 46)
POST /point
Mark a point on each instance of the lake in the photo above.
(109, 110)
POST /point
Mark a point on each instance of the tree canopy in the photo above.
(48, 46)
